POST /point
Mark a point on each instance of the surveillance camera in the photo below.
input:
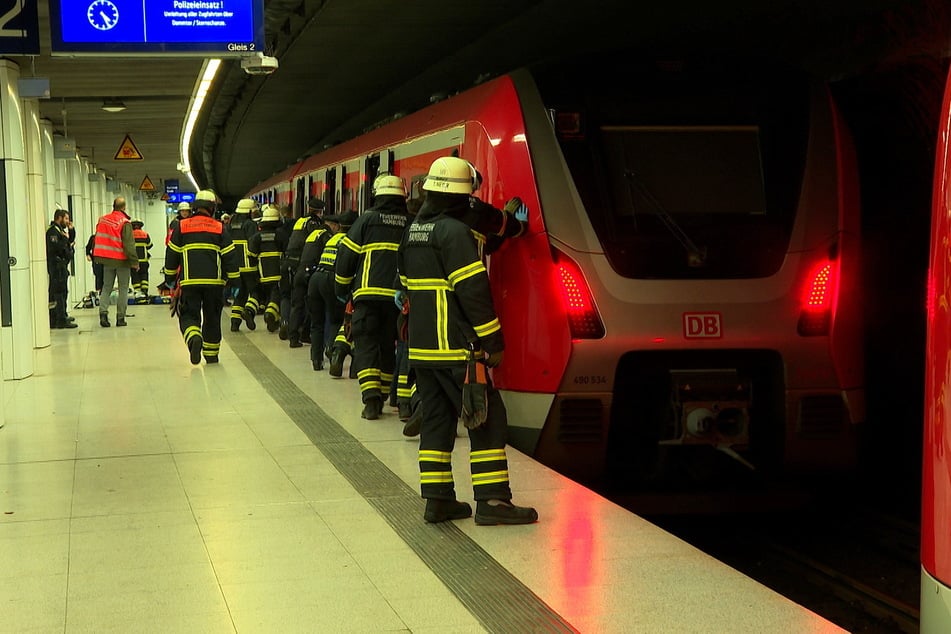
(259, 64)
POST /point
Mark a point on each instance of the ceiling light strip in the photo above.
(209, 70)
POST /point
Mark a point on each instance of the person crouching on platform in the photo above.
(199, 250)
(453, 320)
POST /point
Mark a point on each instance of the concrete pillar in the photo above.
(40, 214)
(16, 292)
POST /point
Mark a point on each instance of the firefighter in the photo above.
(310, 257)
(266, 251)
(326, 312)
(242, 228)
(140, 278)
(199, 252)
(452, 322)
(58, 256)
(184, 211)
(366, 268)
(300, 230)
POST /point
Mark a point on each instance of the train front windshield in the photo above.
(684, 175)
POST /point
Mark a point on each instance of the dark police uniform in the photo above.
(310, 256)
(58, 255)
(297, 234)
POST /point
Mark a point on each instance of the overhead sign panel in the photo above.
(157, 27)
(19, 27)
(147, 185)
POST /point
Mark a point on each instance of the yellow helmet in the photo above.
(245, 205)
(205, 199)
(389, 185)
(270, 213)
(184, 206)
(450, 175)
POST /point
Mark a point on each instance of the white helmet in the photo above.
(270, 213)
(450, 175)
(389, 185)
(184, 206)
(245, 205)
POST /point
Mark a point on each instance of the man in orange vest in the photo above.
(114, 248)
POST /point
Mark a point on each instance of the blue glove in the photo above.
(517, 208)
(342, 300)
(521, 214)
(399, 298)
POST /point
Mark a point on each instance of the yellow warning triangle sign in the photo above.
(146, 185)
(127, 151)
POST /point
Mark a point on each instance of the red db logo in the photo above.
(702, 326)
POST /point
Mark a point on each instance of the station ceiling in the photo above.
(346, 65)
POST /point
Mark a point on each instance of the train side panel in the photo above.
(936, 463)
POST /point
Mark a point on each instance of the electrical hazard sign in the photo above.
(147, 185)
(127, 151)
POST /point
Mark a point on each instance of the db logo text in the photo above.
(703, 326)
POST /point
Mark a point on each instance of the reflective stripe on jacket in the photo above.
(108, 242)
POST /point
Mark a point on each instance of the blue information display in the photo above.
(200, 27)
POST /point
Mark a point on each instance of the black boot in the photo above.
(194, 349)
(336, 362)
(235, 325)
(412, 425)
(104, 320)
(442, 510)
(492, 512)
(317, 359)
(294, 341)
(249, 318)
(372, 408)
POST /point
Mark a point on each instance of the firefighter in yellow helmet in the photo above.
(242, 227)
(199, 252)
(366, 269)
(452, 325)
(266, 251)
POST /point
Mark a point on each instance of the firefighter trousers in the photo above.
(441, 392)
(201, 315)
(374, 340)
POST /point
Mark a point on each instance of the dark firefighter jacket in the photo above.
(241, 229)
(490, 226)
(302, 229)
(143, 242)
(265, 249)
(313, 248)
(366, 258)
(201, 251)
(448, 288)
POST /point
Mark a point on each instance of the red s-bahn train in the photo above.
(685, 305)
(936, 463)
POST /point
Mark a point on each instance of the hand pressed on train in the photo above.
(517, 208)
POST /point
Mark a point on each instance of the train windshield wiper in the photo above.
(696, 256)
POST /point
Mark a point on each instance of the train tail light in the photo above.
(583, 319)
(819, 294)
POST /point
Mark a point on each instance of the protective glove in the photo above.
(517, 208)
(494, 359)
(475, 393)
(399, 298)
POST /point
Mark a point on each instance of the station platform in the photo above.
(139, 493)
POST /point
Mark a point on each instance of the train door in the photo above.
(330, 191)
(300, 200)
(371, 168)
(340, 187)
(936, 465)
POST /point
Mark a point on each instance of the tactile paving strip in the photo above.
(491, 593)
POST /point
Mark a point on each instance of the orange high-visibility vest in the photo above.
(108, 242)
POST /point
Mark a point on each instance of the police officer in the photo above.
(326, 312)
(266, 251)
(199, 252)
(366, 267)
(300, 230)
(242, 228)
(452, 320)
(309, 259)
(58, 255)
(143, 244)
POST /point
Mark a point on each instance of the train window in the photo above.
(330, 189)
(691, 171)
(371, 167)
